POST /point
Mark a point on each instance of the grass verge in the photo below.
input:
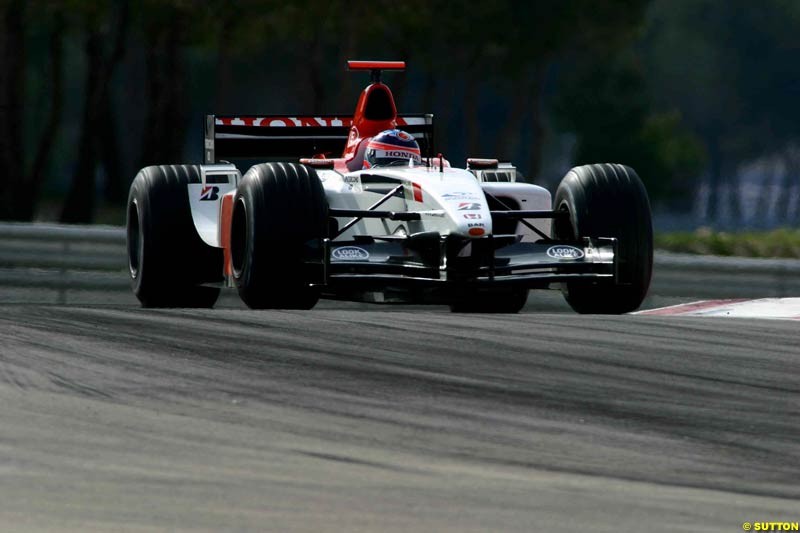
(782, 242)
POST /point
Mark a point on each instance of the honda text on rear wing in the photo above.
(290, 137)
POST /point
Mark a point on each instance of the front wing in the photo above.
(449, 264)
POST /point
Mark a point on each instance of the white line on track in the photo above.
(770, 308)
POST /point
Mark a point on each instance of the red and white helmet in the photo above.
(391, 147)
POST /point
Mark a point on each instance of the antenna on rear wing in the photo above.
(375, 67)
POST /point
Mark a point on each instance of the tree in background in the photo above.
(544, 33)
(21, 185)
(661, 85)
(769, 78)
(166, 26)
(305, 44)
(731, 68)
(605, 102)
(507, 48)
(105, 34)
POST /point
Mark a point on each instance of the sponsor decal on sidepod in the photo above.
(564, 251)
(353, 184)
(350, 253)
(459, 196)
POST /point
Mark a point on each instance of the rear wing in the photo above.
(293, 137)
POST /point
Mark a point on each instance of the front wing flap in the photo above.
(429, 259)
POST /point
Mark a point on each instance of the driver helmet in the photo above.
(391, 147)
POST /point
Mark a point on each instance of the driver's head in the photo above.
(391, 147)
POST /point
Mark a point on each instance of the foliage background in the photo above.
(700, 96)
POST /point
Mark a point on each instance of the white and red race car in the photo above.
(304, 225)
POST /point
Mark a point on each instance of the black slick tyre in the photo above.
(167, 260)
(608, 200)
(278, 208)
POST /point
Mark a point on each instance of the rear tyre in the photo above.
(167, 260)
(494, 301)
(278, 208)
(608, 200)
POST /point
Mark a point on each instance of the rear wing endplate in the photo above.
(292, 137)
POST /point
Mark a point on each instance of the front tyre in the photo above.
(167, 260)
(278, 208)
(608, 200)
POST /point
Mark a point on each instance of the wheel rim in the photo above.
(134, 239)
(562, 226)
(238, 237)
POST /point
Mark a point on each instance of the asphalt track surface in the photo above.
(364, 418)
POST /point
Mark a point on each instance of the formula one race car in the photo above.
(388, 221)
